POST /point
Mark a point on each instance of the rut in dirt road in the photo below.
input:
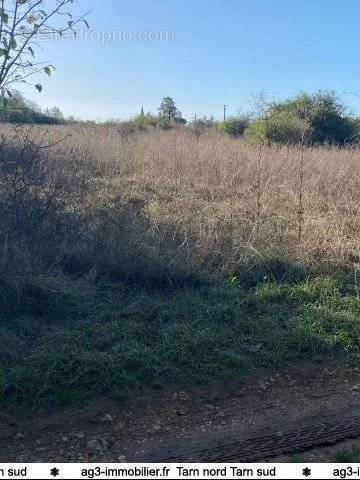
(317, 433)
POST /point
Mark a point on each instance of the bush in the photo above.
(235, 126)
(324, 113)
(201, 125)
(283, 128)
(144, 122)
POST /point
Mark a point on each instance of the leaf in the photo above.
(13, 43)
(31, 51)
(9, 93)
(86, 23)
(4, 16)
(47, 70)
(38, 87)
(3, 52)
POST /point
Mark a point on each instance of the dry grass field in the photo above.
(221, 206)
(131, 260)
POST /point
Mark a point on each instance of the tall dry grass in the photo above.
(208, 206)
(103, 237)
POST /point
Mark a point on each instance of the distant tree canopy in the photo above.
(16, 109)
(317, 118)
(55, 113)
(323, 111)
(169, 114)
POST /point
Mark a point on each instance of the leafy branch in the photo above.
(22, 24)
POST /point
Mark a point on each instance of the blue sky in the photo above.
(220, 51)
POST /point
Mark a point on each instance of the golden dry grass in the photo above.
(231, 204)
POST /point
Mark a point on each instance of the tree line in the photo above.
(311, 119)
(17, 109)
(308, 119)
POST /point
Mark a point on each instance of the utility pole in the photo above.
(225, 107)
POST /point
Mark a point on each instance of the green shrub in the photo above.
(235, 126)
(324, 113)
(144, 121)
(283, 128)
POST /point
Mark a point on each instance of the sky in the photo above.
(203, 53)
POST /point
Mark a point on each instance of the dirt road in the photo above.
(277, 413)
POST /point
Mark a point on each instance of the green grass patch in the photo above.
(72, 339)
(347, 456)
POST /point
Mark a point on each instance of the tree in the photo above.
(22, 24)
(323, 112)
(169, 113)
(56, 113)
